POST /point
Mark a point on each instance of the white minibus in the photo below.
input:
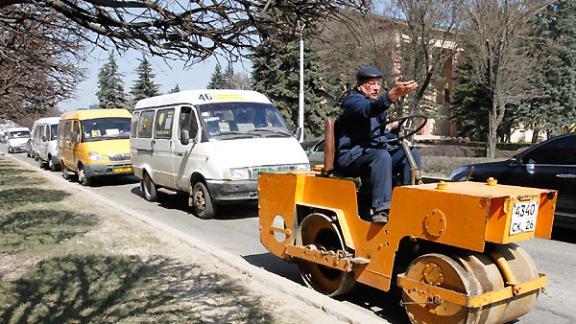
(211, 145)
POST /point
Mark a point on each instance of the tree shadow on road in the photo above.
(94, 288)
(11, 198)
(113, 181)
(383, 304)
(179, 201)
(41, 228)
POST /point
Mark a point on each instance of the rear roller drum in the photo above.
(318, 232)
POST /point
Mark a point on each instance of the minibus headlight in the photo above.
(95, 156)
(236, 174)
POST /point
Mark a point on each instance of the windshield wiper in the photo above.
(234, 135)
(277, 132)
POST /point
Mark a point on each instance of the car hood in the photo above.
(17, 141)
(115, 146)
(480, 171)
(259, 152)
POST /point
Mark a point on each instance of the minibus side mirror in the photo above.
(44, 138)
(298, 134)
(75, 137)
(185, 137)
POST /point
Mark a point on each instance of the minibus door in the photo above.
(184, 146)
(44, 138)
(163, 144)
(76, 139)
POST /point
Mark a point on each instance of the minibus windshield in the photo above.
(231, 120)
(53, 132)
(105, 128)
(19, 134)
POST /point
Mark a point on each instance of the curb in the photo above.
(332, 307)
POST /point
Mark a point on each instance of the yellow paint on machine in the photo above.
(465, 216)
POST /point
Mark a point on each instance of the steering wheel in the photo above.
(401, 121)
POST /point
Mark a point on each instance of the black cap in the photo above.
(368, 72)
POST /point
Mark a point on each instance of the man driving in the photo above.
(361, 139)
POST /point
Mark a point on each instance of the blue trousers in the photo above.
(377, 167)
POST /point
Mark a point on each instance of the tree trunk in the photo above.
(492, 136)
(535, 135)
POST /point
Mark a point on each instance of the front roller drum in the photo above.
(471, 274)
(317, 231)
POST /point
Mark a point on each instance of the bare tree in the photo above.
(412, 37)
(240, 81)
(193, 30)
(430, 38)
(495, 45)
(367, 40)
(39, 67)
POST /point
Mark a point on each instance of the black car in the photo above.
(548, 165)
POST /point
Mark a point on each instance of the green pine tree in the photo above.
(228, 75)
(217, 81)
(175, 89)
(276, 74)
(553, 105)
(470, 108)
(144, 86)
(110, 86)
(470, 105)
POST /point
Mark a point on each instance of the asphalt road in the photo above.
(236, 230)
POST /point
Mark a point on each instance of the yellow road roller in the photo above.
(450, 247)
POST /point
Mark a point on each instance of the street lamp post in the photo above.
(301, 90)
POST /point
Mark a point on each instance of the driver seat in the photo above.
(330, 153)
(329, 147)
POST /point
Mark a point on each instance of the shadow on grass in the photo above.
(4, 172)
(82, 289)
(32, 229)
(19, 180)
(11, 198)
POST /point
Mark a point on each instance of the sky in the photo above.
(168, 74)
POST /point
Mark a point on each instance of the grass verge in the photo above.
(61, 265)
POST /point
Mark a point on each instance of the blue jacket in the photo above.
(360, 114)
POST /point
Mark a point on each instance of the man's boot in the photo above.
(380, 215)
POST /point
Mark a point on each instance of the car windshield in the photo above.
(105, 128)
(242, 120)
(53, 132)
(19, 134)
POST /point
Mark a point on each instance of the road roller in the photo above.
(449, 248)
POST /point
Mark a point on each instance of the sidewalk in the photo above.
(66, 257)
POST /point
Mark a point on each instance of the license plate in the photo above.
(524, 216)
(123, 170)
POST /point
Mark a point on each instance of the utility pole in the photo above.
(301, 91)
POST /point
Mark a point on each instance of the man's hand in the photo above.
(401, 88)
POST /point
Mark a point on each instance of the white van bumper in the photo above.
(233, 190)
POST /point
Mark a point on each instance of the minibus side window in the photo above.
(76, 130)
(134, 124)
(145, 124)
(67, 130)
(163, 123)
(53, 131)
(38, 134)
(188, 121)
(46, 132)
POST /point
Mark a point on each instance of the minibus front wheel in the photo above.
(202, 202)
(82, 177)
(149, 188)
